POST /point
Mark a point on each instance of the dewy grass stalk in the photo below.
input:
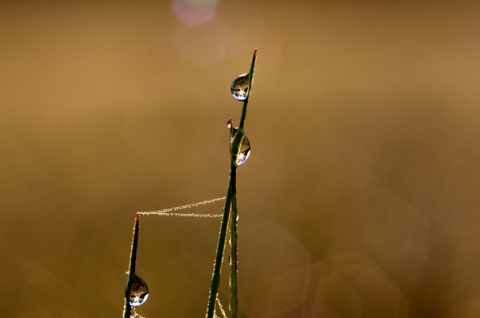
(230, 203)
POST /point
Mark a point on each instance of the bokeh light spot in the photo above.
(194, 12)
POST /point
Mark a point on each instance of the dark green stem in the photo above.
(234, 254)
(217, 266)
(236, 144)
(131, 271)
(230, 204)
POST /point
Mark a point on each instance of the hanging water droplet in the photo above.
(138, 291)
(239, 87)
(244, 151)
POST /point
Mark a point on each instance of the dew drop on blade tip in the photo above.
(138, 291)
(239, 87)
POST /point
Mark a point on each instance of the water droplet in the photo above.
(138, 291)
(244, 152)
(239, 87)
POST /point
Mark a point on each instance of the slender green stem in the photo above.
(250, 79)
(234, 254)
(230, 204)
(236, 144)
(131, 271)
(217, 266)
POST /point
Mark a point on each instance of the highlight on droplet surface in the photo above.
(244, 151)
(239, 87)
(138, 291)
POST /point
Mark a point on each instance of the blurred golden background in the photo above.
(361, 194)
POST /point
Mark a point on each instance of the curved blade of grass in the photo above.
(231, 197)
(131, 271)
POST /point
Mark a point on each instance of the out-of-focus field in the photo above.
(361, 197)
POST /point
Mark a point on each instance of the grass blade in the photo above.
(217, 266)
(131, 271)
(230, 212)
(234, 256)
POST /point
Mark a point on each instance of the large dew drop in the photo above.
(244, 152)
(239, 87)
(138, 291)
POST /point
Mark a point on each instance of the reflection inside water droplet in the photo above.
(138, 291)
(239, 87)
(244, 151)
